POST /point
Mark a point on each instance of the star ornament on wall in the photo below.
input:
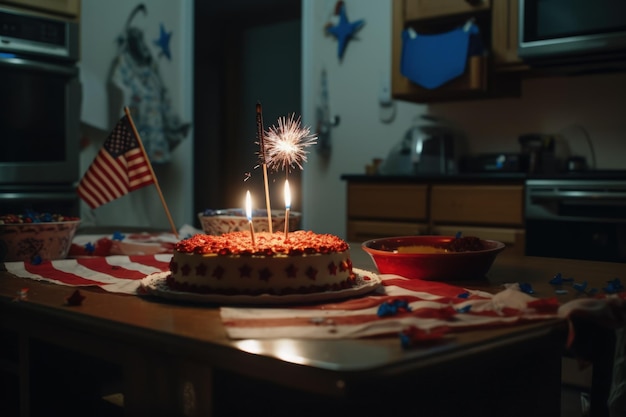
(344, 30)
(164, 42)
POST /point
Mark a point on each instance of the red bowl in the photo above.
(439, 266)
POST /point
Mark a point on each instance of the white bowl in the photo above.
(218, 222)
(30, 242)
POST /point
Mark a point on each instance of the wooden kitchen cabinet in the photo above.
(380, 208)
(484, 76)
(489, 211)
(497, 205)
(67, 8)
(504, 36)
(427, 9)
(397, 201)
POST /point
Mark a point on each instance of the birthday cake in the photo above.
(267, 263)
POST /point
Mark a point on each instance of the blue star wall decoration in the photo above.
(164, 42)
(344, 30)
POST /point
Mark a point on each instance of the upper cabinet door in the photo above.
(426, 9)
(69, 8)
(482, 76)
(504, 35)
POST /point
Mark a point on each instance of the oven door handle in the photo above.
(578, 195)
(38, 195)
(21, 63)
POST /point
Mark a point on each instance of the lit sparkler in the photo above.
(285, 144)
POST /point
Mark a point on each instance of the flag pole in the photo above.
(156, 182)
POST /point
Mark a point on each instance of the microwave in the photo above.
(571, 31)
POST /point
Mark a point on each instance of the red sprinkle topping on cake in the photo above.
(265, 244)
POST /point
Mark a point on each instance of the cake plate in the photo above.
(155, 284)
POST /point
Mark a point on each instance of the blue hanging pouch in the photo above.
(431, 60)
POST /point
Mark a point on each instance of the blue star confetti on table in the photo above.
(526, 288)
(344, 30)
(393, 307)
(614, 286)
(164, 42)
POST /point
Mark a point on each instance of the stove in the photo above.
(578, 215)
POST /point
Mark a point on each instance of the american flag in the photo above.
(119, 168)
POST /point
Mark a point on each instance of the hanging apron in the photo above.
(144, 92)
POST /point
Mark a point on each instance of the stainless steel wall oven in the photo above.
(576, 218)
(40, 99)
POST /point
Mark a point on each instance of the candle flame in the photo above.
(287, 195)
(248, 206)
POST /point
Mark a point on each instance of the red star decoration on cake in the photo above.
(265, 274)
(245, 271)
(345, 265)
(218, 272)
(311, 273)
(201, 270)
(332, 268)
(291, 271)
(185, 270)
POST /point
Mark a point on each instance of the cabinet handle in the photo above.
(474, 2)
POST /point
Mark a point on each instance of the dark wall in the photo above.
(221, 83)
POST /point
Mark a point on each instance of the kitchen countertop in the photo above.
(468, 177)
(490, 176)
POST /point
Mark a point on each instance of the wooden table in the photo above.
(175, 359)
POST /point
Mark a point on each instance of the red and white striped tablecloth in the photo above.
(119, 273)
(432, 306)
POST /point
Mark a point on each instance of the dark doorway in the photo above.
(246, 51)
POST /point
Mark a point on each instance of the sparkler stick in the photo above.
(260, 135)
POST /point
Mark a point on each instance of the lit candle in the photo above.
(287, 206)
(249, 215)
